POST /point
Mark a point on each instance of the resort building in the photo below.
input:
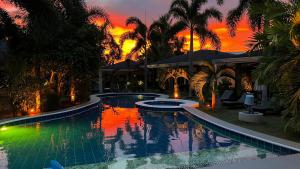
(120, 76)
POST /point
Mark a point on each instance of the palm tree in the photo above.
(162, 35)
(188, 13)
(173, 74)
(140, 35)
(257, 12)
(210, 76)
(178, 45)
(279, 68)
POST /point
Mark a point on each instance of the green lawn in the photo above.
(272, 124)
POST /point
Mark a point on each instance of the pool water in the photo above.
(120, 136)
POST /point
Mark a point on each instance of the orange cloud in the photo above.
(229, 44)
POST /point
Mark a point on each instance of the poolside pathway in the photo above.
(253, 134)
(282, 162)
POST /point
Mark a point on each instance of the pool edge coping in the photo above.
(94, 100)
(244, 131)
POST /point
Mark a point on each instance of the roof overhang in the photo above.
(119, 70)
(238, 60)
(217, 61)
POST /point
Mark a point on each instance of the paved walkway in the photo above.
(264, 137)
(282, 162)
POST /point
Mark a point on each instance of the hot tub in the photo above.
(161, 104)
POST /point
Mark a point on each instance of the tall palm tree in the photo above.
(210, 75)
(140, 35)
(188, 13)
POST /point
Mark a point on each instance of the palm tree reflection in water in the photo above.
(146, 133)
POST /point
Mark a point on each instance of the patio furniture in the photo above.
(226, 95)
(264, 107)
(236, 103)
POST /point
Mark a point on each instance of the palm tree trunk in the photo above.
(146, 70)
(38, 101)
(191, 58)
(176, 89)
(213, 97)
(72, 90)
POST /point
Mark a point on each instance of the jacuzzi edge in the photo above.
(188, 103)
(157, 95)
(274, 141)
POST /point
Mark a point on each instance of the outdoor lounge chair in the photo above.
(226, 95)
(264, 107)
(237, 103)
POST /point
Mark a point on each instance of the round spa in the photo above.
(160, 104)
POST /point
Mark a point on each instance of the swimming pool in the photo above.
(121, 136)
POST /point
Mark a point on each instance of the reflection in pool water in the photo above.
(120, 136)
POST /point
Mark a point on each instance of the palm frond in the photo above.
(205, 34)
(227, 72)
(179, 13)
(211, 13)
(196, 5)
(235, 15)
(99, 13)
(181, 4)
(134, 21)
(207, 64)
(139, 46)
(177, 27)
(127, 36)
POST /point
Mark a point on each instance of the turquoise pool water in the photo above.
(120, 136)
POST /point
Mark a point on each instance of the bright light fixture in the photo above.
(3, 128)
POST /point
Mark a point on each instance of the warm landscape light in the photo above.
(3, 128)
(140, 97)
(73, 98)
(176, 96)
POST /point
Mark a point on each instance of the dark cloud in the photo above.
(154, 8)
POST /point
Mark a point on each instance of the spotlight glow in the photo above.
(3, 128)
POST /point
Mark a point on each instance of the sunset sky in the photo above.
(119, 10)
